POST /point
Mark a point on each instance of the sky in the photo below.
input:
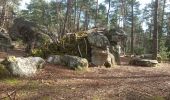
(142, 2)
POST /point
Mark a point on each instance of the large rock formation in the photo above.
(20, 66)
(98, 40)
(29, 32)
(72, 62)
(100, 49)
(72, 44)
(95, 45)
(116, 35)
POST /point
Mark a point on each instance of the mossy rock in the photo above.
(70, 45)
(3, 71)
(149, 56)
(81, 34)
(143, 62)
(159, 59)
(37, 52)
(72, 62)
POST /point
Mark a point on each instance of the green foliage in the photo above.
(41, 52)
(164, 53)
(167, 44)
(139, 50)
(74, 44)
(37, 52)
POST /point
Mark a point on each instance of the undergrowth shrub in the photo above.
(163, 51)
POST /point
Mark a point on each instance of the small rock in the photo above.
(143, 62)
(55, 59)
(149, 56)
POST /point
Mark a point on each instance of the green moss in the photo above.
(11, 81)
(159, 59)
(3, 71)
(81, 69)
(37, 52)
(75, 44)
(158, 98)
(96, 98)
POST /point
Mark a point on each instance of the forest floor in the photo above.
(122, 82)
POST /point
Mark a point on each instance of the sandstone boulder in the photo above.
(98, 40)
(102, 57)
(23, 67)
(143, 62)
(73, 62)
(149, 56)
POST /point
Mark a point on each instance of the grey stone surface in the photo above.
(72, 62)
(23, 67)
(143, 62)
(102, 57)
(55, 59)
(98, 40)
(149, 56)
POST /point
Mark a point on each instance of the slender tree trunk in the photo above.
(78, 19)
(160, 25)
(66, 17)
(65, 21)
(60, 20)
(86, 22)
(124, 12)
(69, 18)
(58, 14)
(132, 29)
(2, 19)
(155, 32)
(150, 31)
(96, 18)
(75, 13)
(162, 20)
(108, 12)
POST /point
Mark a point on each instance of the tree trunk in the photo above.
(96, 18)
(57, 15)
(75, 14)
(69, 22)
(108, 12)
(66, 17)
(78, 20)
(132, 29)
(2, 17)
(86, 22)
(155, 32)
(162, 20)
(160, 26)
